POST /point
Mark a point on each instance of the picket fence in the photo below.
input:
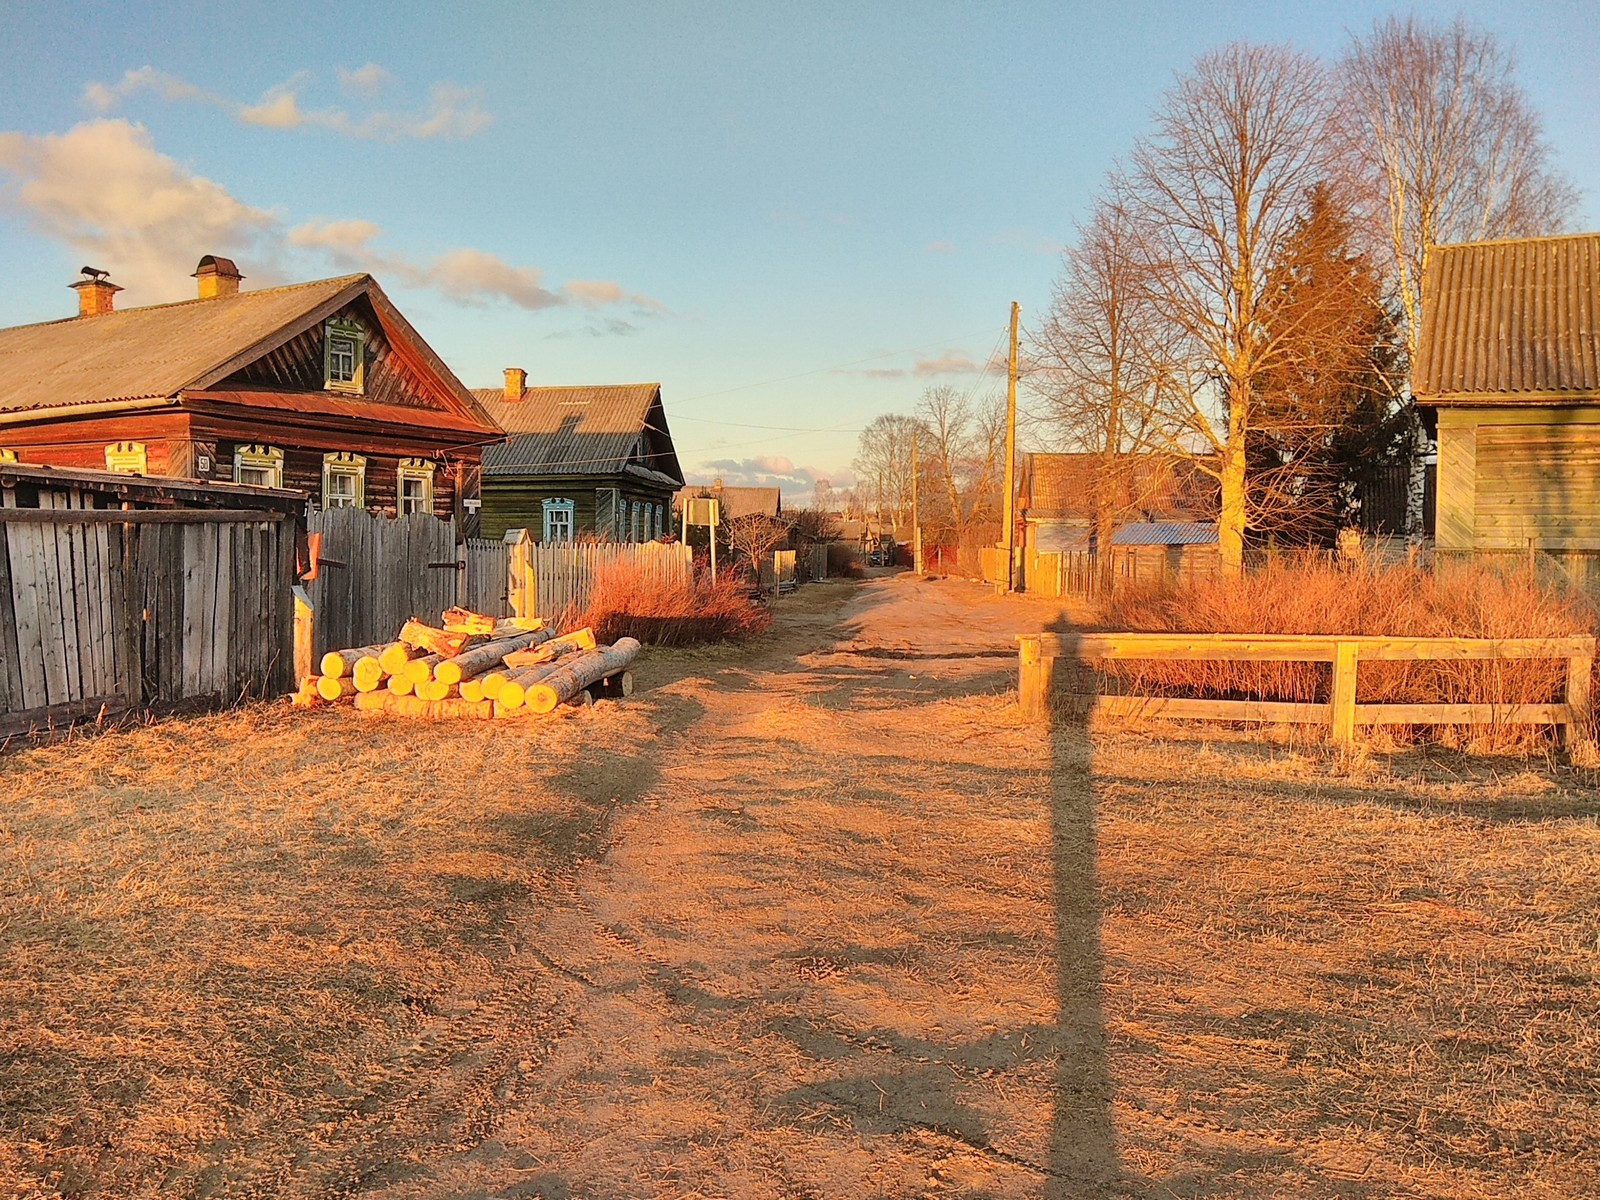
(564, 574)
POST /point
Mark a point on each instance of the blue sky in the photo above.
(795, 217)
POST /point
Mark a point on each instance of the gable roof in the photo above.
(163, 351)
(1511, 320)
(737, 501)
(587, 430)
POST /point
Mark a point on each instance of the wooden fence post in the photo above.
(1343, 706)
(1580, 670)
(522, 591)
(1034, 671)
(304, 631)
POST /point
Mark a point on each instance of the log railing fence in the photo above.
(1341, 713)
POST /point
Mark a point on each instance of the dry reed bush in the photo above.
(1466, 600)
(629, 600)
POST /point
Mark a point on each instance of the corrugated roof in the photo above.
(142, 353)
(737, 501)
(1509, 319)
(1058, 534)
(598, 430)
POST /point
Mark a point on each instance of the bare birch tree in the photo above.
(1092, 360)
(1214, 195)
(883, 469)
(962, 455)
(1452, 151)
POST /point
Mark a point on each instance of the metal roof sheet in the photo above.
(1510, 319)
(586, 430)
(737, 501)
(142, 353)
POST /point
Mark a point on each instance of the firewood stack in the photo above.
(474, 667)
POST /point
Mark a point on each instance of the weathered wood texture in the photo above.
(484, 577)
(1038, 653)
(375, 572)
(150, 614)
(564, 575)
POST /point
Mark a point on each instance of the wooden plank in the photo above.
(191, 650)
(60, 716)
(1241, 647)
(143, 516)
(1462, 714)
(47, 617)
(1185, 709)
(219, 677)
(26, 576)
(1580, 673)
(1034, 678)
(10, 657)
(1455, 649)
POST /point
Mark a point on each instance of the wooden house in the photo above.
(1510, 362)
(580, 462)
(321, 387)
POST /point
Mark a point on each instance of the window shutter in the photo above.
(607, 514)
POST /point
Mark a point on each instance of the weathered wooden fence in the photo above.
(375, 572)
(562, 575)
(484, 566)
(1039, 653)
(108, 610)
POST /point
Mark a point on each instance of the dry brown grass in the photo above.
(821, 916)
(1455, 601)
(629, 600)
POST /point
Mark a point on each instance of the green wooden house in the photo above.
(1510, 361)
(580, 463)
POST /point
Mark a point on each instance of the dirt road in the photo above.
(817, 917)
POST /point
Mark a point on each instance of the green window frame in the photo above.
(260, 466)
(345, 357)
(344, 481)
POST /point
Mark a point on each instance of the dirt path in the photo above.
(804, 964)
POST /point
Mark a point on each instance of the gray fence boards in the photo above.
(484, 575)
(375, 572)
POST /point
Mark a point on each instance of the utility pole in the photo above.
(1011, 456)
(916, 512)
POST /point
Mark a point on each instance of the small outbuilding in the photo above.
(1510, 362)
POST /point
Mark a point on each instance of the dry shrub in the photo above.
(630, 600)
(1457, 600)
(844, 561)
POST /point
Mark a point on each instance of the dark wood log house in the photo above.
(321, 387)
(580, 462)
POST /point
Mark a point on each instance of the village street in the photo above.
(816, 917)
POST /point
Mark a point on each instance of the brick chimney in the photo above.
(516, 384)
(96, 293)
(218, 277)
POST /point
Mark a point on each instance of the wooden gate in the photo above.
(375, 572)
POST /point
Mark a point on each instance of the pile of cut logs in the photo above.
(475, 666)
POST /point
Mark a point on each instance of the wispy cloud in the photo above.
(451, 111)
(952, 362)
(104, 189)
(941, 247)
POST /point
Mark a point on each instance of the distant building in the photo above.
(1510, 361)
(581, 462)
(736, 501)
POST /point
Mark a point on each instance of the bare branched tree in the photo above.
(1214, 195)
(962, 452)
(883, 469)
(1452, 151)
(1093, 362)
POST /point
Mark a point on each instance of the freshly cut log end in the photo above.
(472, 690)
(394, 657)
(340, 663)
(493, 682)
(511, 696)
(400, 685)
(331, 687)
(464, 620)
(434, 689)
(420, 670)
(570, 677)
(483, 658)
(369, 674)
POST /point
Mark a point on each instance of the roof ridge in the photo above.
(144, 308)
(1506, 241)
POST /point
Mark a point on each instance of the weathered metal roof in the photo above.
(1510, 320)
(600, 430)
(151, 352)
(1057, 534)
(737, 501)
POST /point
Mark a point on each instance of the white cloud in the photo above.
(451, 111)
(364, 81)
(103, 189)
(941, 248)
(798, 483)
(952, 362)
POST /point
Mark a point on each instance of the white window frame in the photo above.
(410, 470)
(633, 520)
(259, 458)
(661, 521)
(343, 465)
(127, 458)
(345, 331)
(560, 507)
